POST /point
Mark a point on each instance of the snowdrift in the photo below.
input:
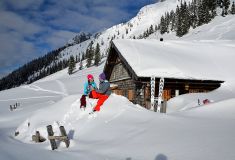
(123, 130)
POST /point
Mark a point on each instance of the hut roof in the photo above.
(176, 59)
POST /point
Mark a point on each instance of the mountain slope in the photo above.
(220, 28)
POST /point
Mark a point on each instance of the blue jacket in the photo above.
(87, 88)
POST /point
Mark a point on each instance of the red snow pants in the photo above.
(101, 98)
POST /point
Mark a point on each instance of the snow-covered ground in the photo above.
(122, 130)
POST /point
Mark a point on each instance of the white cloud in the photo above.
(76, 21)
(12, 21)
(98, 18)
(14, 50)
(59, 37)
(28, 27)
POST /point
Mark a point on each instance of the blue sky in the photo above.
(31, 28)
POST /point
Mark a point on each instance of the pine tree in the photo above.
(87, 53)
(126, 30)
(223, 13)
(185, 25)
(226, 4)
(89, 59)
(97, 54)
(76, 59)
(177, 13)
(233, 8)
(193, 9)
(151, 29)
(163, 27)
(172, 21)
(90, 54)
(80, 65)
(211, 5)
(83, 56)
(72, 65)
(203, 13)
(179, 27)
(79, 57)
(167, 21)
(156, 28)
(220, 3)
(147, 33)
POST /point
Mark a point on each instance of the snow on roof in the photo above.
(179, 59)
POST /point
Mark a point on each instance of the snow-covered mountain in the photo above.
(122, 130)
(220, 28)
(147, 16)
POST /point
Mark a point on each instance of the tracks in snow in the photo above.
(63, 89)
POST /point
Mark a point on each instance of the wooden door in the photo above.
(166, 94)
(131, 95)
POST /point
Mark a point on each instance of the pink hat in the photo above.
(89, 77)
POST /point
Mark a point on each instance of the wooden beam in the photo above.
(61, 138)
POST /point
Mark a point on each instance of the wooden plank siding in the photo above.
(126, 88)
(119, 72)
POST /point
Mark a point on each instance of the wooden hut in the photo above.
(131, 63)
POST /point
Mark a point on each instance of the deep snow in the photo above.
(122, 130)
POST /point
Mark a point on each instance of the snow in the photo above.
(122, 130)
(220, 28)
(179, 59)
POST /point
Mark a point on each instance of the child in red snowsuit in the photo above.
(102, 93)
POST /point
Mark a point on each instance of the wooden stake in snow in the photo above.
(52, 138)
(38, 138)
